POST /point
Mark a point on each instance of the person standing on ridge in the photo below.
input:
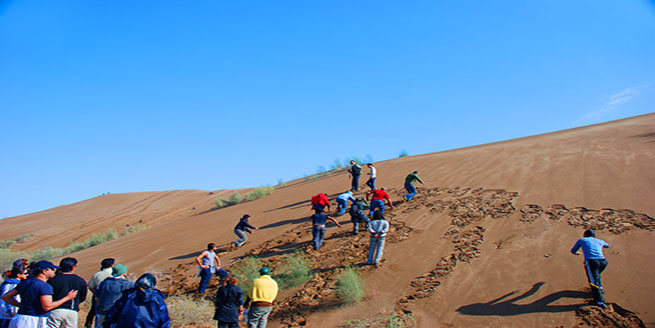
(318, 228)
(378, 228)
(357, 214)
(342, 202)
(65, 315)
(377, 201)
(594, 262)
(35, 298)
(355, 171)
(260, 297)
(372, 175)
(319, 202)
(208, 262)
(240, 230)
(104, 273)
(409, 185)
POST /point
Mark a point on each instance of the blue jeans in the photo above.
(355, 183)
(242, 237)
(205, 276)
(376, 204)
(4, 323)
(318, 232)
(371, 183)
(258, 316)
(356, 220)
(594, 268)
(411, 190)
(342, 204)
(376, 246)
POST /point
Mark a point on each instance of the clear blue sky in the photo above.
(126, 96)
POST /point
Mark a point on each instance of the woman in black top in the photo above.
(229, 304)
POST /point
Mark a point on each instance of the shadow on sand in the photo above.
(509, 307)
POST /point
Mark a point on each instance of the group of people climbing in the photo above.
(41, 294)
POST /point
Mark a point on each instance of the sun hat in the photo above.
(119, 270)
(264, 271)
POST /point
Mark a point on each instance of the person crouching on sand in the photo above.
(318, 228)
(594, 262)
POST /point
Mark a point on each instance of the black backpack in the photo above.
(356, 170)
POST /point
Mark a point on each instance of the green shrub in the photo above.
(185, 311)
(7, 258)
(246, 271)
(251, 196)
(394, 319)
(235, 198)
(11, 242)
(295, 271)
(47, 253)
(263, 191)
(350, 288)
(221, 202)
(281, 183)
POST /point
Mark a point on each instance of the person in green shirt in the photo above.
(409, 185)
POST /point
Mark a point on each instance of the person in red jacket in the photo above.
(377, 201)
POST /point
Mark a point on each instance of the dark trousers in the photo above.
(371, 183)
(92, 313)
(355, 183)
(205, 276)
(594, 268)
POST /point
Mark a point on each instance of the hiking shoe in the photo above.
(601, 304)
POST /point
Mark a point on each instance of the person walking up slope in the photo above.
(357, 214)
(372, 175)
(377, 201)
(378, 228)
(342, 202)
(594, 262)
(318, 228)
(319, 202)
(240, 230)
(355, 171)
(409, 185)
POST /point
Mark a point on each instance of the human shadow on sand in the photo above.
(303, 203)
(186, 256)
(509, 307)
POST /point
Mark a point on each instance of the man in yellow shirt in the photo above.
(260, 297)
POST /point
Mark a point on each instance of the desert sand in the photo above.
(485, 243)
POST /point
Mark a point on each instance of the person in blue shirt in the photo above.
(594, 263)
(342, 201)
(240, 230)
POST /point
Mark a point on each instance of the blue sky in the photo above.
(127, 96)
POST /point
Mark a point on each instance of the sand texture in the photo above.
(485, 243)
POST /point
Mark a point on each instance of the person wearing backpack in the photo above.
(357, 214)
(319, 202)
(355, 171)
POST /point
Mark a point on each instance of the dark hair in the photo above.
(378, 215)
(245, 216)
(415, 172)
(67, 264)
(107, 263)
(210, 246)
(16, 271)
(146, 281)
(589, 233)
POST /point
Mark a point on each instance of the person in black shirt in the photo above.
(241, 229)
(65, 315)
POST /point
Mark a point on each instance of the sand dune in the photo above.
(486, 242)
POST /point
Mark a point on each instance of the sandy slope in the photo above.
(507, 189)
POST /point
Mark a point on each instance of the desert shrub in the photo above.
(295, 271)
(336, 165)
(392, 319)
(246, 271)
(281, 183)
(47, 253)
(235, 198)
(263, 191)
(403, 153)
(350, 288)
(185, 311)
(251, 196)
(11, 242)
(221, 202)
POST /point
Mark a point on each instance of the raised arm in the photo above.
(335, 221)
(47, 304)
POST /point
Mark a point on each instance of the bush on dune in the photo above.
(295, 271)
(350, 288)
(185, 311)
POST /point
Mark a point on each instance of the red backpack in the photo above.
(320, 199)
